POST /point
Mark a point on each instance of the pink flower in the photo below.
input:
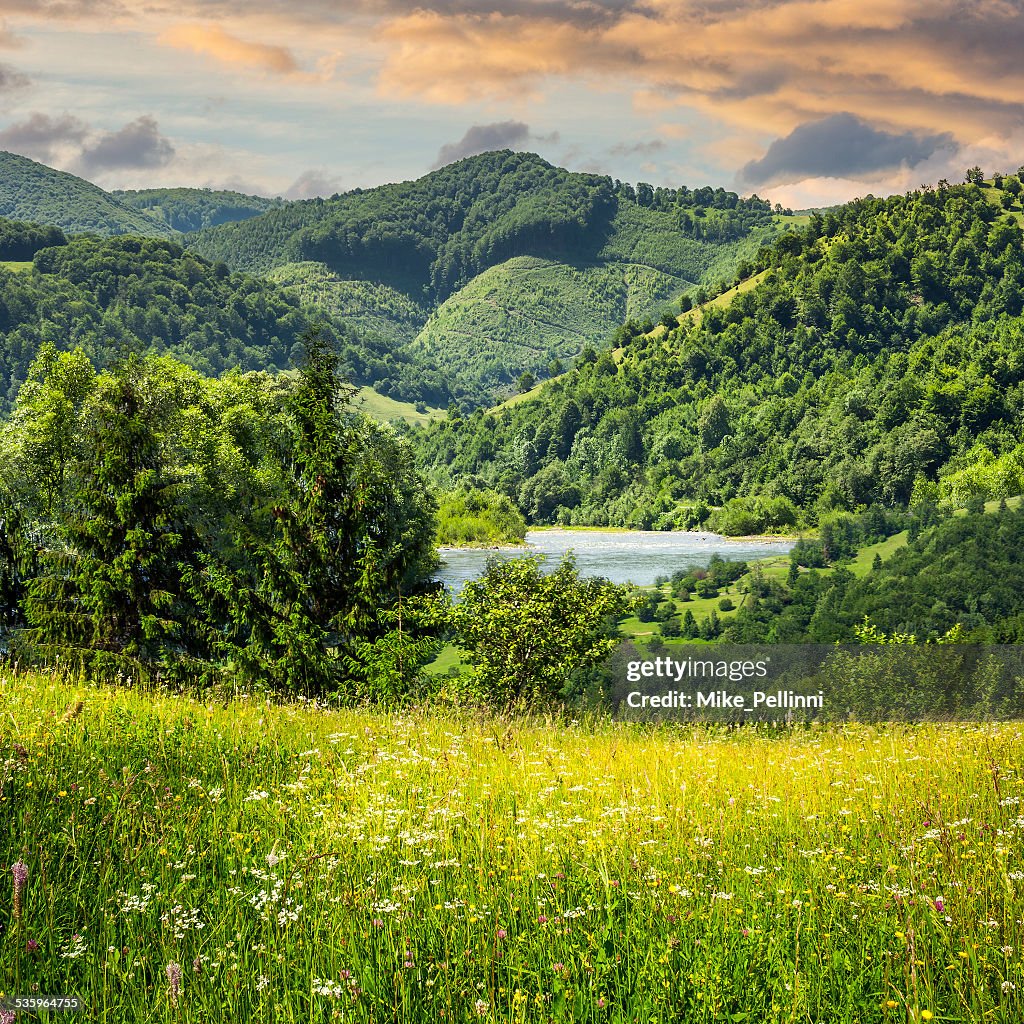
(20, 872)
(939, 905)
(174, 980)
(542, 919)
(502, 933)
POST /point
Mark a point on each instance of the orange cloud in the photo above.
(214, 41)
(924, 65)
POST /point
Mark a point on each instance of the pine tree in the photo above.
(108, 598)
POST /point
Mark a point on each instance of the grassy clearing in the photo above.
(16, 266)
(307, 865)
(385, 409)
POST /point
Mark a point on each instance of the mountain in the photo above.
(112, 295)
(874, 356)
(497, 264)
(31, 191)
(192, 209)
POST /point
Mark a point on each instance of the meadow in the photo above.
(169, 858)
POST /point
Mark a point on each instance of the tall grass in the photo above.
(302, 864)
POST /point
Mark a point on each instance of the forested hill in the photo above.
(497, 264)
(112, 296)
(192, 209)
(31, 191)
(876, 356)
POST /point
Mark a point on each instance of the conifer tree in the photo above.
(107, 596)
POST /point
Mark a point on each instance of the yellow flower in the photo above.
(927, 1015)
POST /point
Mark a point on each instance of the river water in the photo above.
(632, 556)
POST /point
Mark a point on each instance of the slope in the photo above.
(109, 296)
(192, 209)
(398, 253)
(31, 191)
(879, 358)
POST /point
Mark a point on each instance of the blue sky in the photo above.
(804, 101)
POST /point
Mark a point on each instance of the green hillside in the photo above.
(192, 209)
(405, 260)
(877, 359)
(30, 191)
(111, 296)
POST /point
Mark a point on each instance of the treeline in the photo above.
(109, 296)
(878, 360)
(429, 237)
(33, 192)
(20, 241)
(250, 530)
(962, 573)
(193, 209)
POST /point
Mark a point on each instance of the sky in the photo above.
(805, 102)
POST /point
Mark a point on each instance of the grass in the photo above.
(16, 266)
(302, 864)
(382, 408)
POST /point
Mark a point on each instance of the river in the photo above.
(634, 556)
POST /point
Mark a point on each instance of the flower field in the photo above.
(169, 860)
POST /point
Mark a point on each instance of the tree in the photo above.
(974, 176)
(527, 632)
(525, 382)
(108, 594)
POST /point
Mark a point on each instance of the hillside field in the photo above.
(233, 860)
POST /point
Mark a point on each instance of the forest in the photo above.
(873, 356)
(112, 295)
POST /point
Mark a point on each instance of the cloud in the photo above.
(637, 149)
(138, 145)
(11, 79)
(313, 183)
(44, 138)
(214, 41)
(67, 141)
(840, 145)
(482, 138)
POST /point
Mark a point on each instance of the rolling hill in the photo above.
(872, 357)
(31, 191)
(499, 263)
(192, 209)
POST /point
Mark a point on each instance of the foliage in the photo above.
(251, 529)
(30, 191)
(514, 260)
(471, 517)
(527, 632)
(192, 209)
(963, 573)
(880, 344)
(19, 241)
(109, 296)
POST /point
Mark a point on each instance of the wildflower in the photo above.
(7, 1016)
(502, 933)
(174, 980)
(20, 872)
(927, 1015)
(1007, 986)
(542, 919)
(939, 905)
(31, 946)
(481, 1008)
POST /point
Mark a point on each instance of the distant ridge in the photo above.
(31, 191)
